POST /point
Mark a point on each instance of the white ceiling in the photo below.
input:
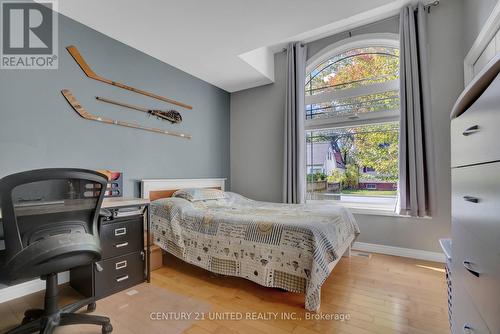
(228, 43)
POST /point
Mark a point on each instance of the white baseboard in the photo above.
(399, 251)
(26, 288)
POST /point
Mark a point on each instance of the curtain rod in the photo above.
(430, 5)
(349, 32)
(427, 7)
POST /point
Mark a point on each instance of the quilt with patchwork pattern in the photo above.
(287, 246)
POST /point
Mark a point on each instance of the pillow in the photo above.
(199, 194)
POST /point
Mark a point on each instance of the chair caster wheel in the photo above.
(91, 307)
(31, 315)
(107, 329)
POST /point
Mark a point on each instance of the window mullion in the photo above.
(376, 88)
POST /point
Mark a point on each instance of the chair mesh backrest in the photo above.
(44, 203)
(56, 206)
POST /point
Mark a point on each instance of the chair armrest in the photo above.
(105, 213)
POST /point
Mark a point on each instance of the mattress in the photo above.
(288, 246)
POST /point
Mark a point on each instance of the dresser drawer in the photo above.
(118, 273)
(477, 269)
(465, 317)
(121, 237)
(475, 134)
(476, 201)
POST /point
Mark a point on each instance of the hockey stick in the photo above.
(170, 115)
(85, 114)
(73, 51)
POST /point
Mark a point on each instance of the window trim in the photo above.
(356, 42)
(361, 41)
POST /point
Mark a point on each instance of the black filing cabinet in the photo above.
(124, 254)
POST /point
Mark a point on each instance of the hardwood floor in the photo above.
(381, 294)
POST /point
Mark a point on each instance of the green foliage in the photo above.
(336, 177)
(369, 67)
(377, 148)
(374, 146)
(316, 177)
(352, 176)
(348, 179)
(355, 68)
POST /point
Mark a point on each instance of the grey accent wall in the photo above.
(39, 129)
(256, 134)
(475, 15)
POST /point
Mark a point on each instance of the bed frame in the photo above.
(154, 189)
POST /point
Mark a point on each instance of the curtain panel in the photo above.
(416, 156)
(294, 178)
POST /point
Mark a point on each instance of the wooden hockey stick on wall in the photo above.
(85, 114)
(73, 51)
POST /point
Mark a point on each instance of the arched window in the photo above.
(352, 109)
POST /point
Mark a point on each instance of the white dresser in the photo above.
(475, 162)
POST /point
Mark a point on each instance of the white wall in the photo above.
(257, 132)
(476, 12)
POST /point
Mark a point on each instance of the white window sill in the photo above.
(369, 209)
(374, 211)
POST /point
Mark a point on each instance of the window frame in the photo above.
(389, 40)
(361, 41)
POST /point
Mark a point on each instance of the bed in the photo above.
(288, 246)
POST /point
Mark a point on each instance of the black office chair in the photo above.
(50, 219)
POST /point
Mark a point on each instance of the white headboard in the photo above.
(161, 188)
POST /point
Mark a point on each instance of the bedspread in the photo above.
(288, 246)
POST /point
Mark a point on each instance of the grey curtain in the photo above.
(416, 157)
(294, 178)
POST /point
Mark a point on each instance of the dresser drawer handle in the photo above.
(468, 329)
(121, 279)
(471, 199)
(120, 245)
(120, 231)
(121, 265)
(468, 266)
(471, 130)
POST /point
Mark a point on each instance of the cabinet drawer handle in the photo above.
(122, 278)
(120, 245)
(471, 199)
(121, 265)
(120, 231)
(468, 265)
(467, 329)
(471, 130)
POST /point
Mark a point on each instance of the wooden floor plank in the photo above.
(380, 294)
